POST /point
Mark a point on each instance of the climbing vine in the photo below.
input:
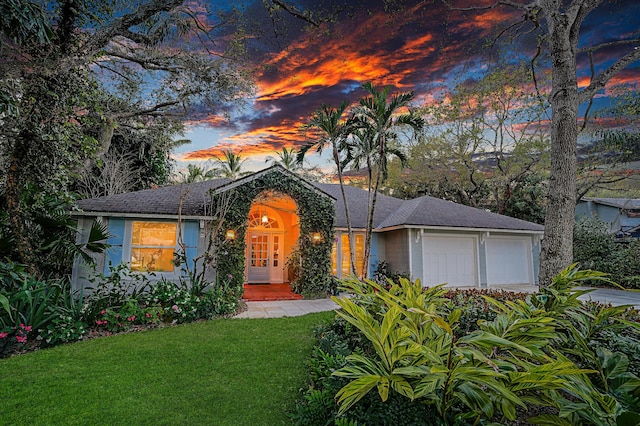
(316, 213)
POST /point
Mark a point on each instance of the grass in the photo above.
(221, 372)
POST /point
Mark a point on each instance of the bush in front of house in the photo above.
(38, 313)
(594, 247)
(544, 357)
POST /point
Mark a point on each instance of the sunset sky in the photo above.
(421, 47)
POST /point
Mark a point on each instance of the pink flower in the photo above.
(3, 335)
(117, 315)
(21, 339)
(102, 312)
(175, 308)
(131, 318)
(27, 328)
(148, 315)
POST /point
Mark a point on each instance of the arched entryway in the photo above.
(273, 229)
(310, 228)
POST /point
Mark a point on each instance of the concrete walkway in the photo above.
(286, 308)
(293, 308)
(613, 296)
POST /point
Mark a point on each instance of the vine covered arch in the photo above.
(315, 210)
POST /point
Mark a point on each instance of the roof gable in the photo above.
(276, 168)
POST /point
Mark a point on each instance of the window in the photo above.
(152, 246)
(341, 246)
(262, 220)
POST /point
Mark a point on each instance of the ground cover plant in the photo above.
(399, 354)
(223, 372)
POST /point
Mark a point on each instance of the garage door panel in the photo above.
(449, 259)
(508, 261)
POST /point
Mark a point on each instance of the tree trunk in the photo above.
(352, 257)
(557, 245)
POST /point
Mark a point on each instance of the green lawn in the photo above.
(221, 372)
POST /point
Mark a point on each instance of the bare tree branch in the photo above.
(603, 78)
(608, 45)
(297, 13)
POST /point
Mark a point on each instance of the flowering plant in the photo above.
(12, 336)
(64, 329)
(123, 319)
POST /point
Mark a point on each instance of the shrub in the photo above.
(116, 290)
(127, 316)
(63, 329)
(594, 247)
(543, 356)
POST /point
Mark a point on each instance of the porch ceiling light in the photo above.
(230, 234)
(265, 219)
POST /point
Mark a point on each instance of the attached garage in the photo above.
(509, 260)
(450, 259)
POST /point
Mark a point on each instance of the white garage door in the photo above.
(449, 259)
(508, 260)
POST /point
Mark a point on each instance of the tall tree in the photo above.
(559, 27)
(332, 131)
(382, 121)
(484, 143)
(81, 69)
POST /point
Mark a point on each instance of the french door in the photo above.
(264, 258)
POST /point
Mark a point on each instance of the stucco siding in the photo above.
(397, 250)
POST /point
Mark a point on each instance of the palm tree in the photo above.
(230, 166)
(333, 132)
(197, 173)
(286, 158)
(378, 123)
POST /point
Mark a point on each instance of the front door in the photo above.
(265, 258)
(259, 270)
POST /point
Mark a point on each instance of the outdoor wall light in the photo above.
(316, 237)
(230, 234)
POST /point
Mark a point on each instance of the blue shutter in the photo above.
(373, 254)
(190, 238)
(114, 253)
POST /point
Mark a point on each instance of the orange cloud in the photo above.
(265, 140)
(487, 21)
(356, 54)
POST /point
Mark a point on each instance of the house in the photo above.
(273, 215)
(622, 215)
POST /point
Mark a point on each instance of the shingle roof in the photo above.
(162, 201)
(390, 212)
(623, 203)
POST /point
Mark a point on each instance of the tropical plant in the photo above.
(333, 129)
(380, 123)
(509, 363)
(116, 289)
(195, 173)
(230, 165)
(287, 158)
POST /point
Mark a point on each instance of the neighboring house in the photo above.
(434, 240)
(622, 215)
